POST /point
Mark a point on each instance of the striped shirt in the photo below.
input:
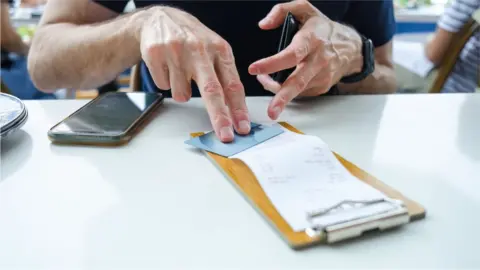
(465, 74)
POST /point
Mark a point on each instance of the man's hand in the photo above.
(177, 48)
(323, 52)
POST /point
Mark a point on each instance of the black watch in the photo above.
(368, 63)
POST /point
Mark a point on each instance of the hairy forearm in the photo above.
(65, 55)
(381, 81)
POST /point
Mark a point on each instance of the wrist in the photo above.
(138, 20)
(355, 64)
(150, 16)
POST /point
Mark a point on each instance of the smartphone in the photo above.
(110, 119)
(289, 29)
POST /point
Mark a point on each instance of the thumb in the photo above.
(301, 9)
(274, 18)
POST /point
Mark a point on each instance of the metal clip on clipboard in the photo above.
(355, 227)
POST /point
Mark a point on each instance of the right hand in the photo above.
(177, 48)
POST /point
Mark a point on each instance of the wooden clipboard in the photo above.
(243, 178)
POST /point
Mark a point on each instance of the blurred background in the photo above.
(416, 22)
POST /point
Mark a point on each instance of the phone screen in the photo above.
(112, 113)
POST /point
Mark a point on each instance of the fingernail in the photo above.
(276, 112)
(244, 126)
(267, 20)
(226, 133)
(255, 70)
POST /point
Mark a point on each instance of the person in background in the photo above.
(464, 77)
(227, 48)
(11, 41)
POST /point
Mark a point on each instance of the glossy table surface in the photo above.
(156, 203)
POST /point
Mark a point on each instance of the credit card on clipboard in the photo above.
(258, 134)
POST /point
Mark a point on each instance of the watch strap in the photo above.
(368, 63)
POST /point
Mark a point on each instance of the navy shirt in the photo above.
(237, 23)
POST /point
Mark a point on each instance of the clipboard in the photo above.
(245, 181)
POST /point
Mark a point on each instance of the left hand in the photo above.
(323, 51)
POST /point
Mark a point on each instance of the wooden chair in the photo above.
(121, 80)
(476, 17)
(461, 38)
(86, 94)
(135, 79)
(4, 88)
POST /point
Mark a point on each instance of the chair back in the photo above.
(4, 88)
(454, 49)
(135, 79)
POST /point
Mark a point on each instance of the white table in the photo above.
(156, 203)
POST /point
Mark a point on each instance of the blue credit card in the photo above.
(258, 134)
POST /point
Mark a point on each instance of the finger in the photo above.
(232, 87)
(299, 48)
(293, 86)
(181, 88)
(302, 10)
(155, 42)
(212, 93)
(158, 68)
(201, 70)
(177, 60)
(268, 83)
(179, 80)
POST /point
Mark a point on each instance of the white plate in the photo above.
(12, 110)
(7, 132)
